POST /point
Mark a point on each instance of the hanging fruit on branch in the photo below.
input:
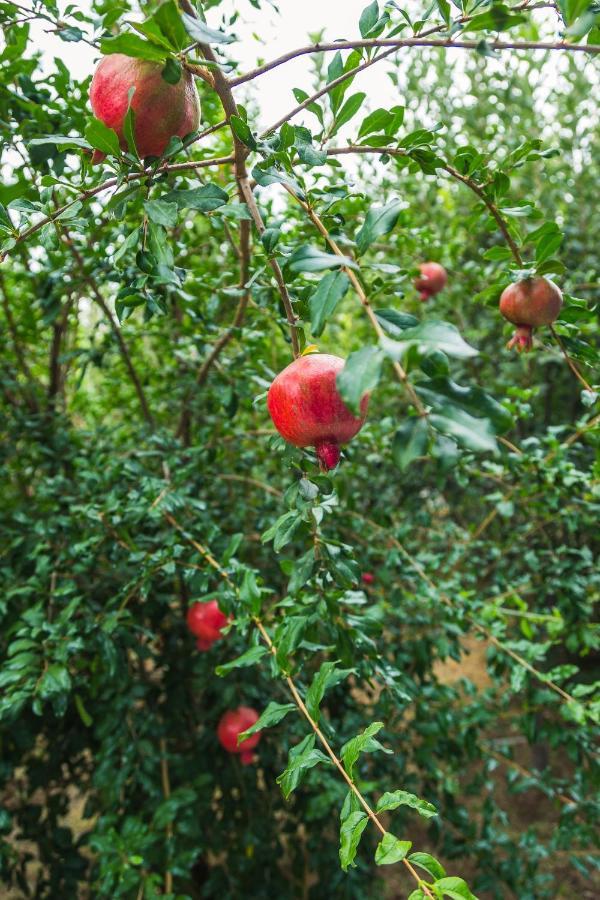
(308, 411)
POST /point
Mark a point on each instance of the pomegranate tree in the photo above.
(161, 110)
(432, 280)
(206, 622)
(528, 304)
(232, 724)
(308, 411)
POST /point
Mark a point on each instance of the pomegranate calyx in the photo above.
(522, 339)
(328, 454)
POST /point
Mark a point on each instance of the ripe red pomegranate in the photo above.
(367, 577)
(234, 722)
(308, 411)
(162, 110)
(433, 279)
(529, 304)
(206, 621)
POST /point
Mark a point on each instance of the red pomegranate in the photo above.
(433, 279)
(234, 722)
(308, 411)
(529, 304)
(367, 578)
(206, 621)
(162, 110)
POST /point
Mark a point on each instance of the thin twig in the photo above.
(569, 361)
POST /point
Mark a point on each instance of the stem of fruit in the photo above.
(355, 281)
(223, 89)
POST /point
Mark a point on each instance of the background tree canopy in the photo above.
(439, 714)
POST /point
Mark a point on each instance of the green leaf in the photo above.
(200, 32)
(300, 759)
(410, 442)
(390, 850)
(103, 138)
(327, 676)
(161, 212)
(249, 658)
(498, 18)
(172, 71)
(455, 888)
(325, 299)
(169, 21)
(129, 125)
(205, 198)
(379, 220)
(382, 120)
(428, 863)
(368, 18)
(394, 799)
(430, 335)
(61, 141)
(348, 110)
(362, 743)
(133, 45)
(471, 433)
(250, 592)
(473, 399)
(309, 155)
(360, 375)
(350, 834)
(272, 715)
(394, 322)
(444, 8)
(310, 259)
(288, 636)
(243, 132)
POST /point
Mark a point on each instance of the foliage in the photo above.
(145, 310)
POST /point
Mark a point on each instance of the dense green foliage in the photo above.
(141, 473)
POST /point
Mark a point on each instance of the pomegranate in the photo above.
(367, 578)
(206, 622)
(162, 110)
(529, 304)
(433, 279)
(308, 411)
(234, 722)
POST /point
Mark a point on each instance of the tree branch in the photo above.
(399, 43)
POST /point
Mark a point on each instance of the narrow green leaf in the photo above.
(428, 863)
(348, 110)
(161, 212)
(102, 137)
(205, 198)
(350, 834)
(133, 45)
(379, 220)
(200, 32)
(325, 299)
(362, 743)
(359, 376)
(327, 676)
(310, 259)
(410, 442)
(249, 658)
(272, 715)
(390, 850)
(455, 888)
(430, 335)
(394, 799)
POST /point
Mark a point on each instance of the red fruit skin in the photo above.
(234, 722)
(433, 279)
(307, 410)
(162, 110)
(529, 304)
(367, 577)
(206, 622)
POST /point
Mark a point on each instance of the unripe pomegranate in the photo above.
(529, 304)
(161, 110)
(234, 722)
(367, 578)
(206, 621)
(308, 411)
(433, 279)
